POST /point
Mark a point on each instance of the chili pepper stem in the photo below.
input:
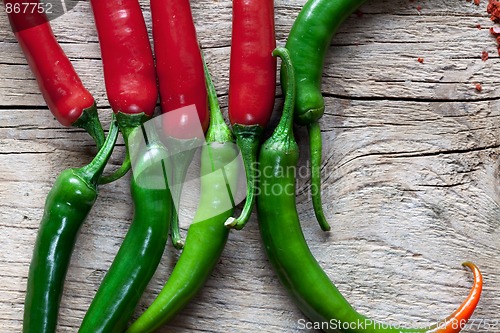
(127, 123)
(218, 130)
(182, 152)
(285, 125)
(93, 171)
(248, 141)
(89, 121)
(315, 154)
(119, 173)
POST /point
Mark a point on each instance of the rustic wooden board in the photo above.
(411, 173)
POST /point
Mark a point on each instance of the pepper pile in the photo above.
(182, 81)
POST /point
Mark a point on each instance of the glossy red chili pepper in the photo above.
(60, 85)
(129, 71)
(179, 66)
(252, 81)
(127, 58)
(252, 76)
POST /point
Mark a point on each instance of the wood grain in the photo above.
(410, 171)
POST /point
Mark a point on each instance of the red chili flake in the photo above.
(419, 8)
(479, 87)
(478, 26)
(494, 10)
(420, 60)
(476, 2)
(498, 48)
(484, 56)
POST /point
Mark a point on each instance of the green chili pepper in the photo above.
(287, 250)
(66, 207)
(308, 44)
(207, 235)
(143, 246)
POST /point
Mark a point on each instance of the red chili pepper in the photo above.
(127, 58)
(181, 77)
(179, 66)
(252, 82)
(62, 89)
(129, 71)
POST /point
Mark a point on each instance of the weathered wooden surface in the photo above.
(411, 173)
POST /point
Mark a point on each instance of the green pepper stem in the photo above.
(93, 171)
(181, 156)
(218, 130)
(127, 123)
(119, 173)
(285, 125)
(315, 154)
(89, 121)
(248, 140)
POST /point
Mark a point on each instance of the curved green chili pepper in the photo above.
(287, 250)
(142, 248)
(308, 44)
(66, 208)
(207, 235)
